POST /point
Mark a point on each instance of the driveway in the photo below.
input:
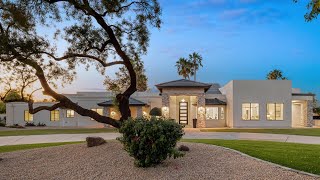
(34, 139)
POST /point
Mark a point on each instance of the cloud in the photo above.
(252, 16)
(233, 14)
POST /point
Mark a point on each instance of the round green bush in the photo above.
(151, 141)
(155, 112)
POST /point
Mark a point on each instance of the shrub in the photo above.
(95, 141)
(2, 124)
(155, 112)
(15, 126)
(41, 124)
(28, 124)
(183, 148)
(150, 141)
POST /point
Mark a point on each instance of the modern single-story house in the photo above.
(238, 104)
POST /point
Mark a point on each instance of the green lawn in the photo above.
(20, 132)
(304, 157)
(32, 146)
(304, 131)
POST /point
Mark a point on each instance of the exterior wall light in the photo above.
(165, 111)
(113, 114)
(201, 110)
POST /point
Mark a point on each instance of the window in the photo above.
(28, 117)
(250, 111)
(212, 113)
(222, 113)
(54, 115)
(99, 111)
(70, 113)
(275, 111)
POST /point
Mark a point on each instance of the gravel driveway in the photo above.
(109, 161)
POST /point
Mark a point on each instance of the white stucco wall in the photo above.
(262, 92)
(15, 114)
(227, 90)
(88, 100)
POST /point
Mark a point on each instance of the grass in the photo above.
(20, 132)
(304, 131)
(304, 157)
(12, 148)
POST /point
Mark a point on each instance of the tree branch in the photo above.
(102, 62)
(41, 108)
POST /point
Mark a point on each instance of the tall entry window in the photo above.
(183, 113)
(275, 111)
(250, 111)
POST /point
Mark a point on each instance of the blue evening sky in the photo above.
(238, 39)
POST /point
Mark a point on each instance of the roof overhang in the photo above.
(183, 83)
(215, 101)
(132, 102)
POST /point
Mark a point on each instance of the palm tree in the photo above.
(184, 68)
(276, 74)
(196, 60)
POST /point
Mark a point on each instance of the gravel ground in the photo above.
(109, 161)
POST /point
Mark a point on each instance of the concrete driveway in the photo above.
(34, 139)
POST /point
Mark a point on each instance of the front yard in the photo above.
(203, 161)
(304, 157)
(23, 132)
(302, 131)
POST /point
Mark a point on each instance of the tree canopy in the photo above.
(276, 74)
(313, 8)
(96, 34)
(2, 107)
(188, 67)
(184, 68)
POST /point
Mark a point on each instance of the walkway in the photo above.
(33, 139)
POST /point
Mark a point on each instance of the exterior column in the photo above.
(165, 105)
(310, 121)
(139, 111)
(107, 111)
(201, 111)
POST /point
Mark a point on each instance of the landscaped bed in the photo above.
(293, 131)
(22, 132)
(110, 161)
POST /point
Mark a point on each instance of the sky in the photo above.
(238, 40)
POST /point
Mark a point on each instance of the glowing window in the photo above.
(250, 111)
(28, 117)
(54, 115)
(275, 111)
(70, 113)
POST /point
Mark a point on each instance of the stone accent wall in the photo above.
(310, 122)
(139, 111)
(201, 122)
(165, 104)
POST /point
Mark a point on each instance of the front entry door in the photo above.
(183, 113)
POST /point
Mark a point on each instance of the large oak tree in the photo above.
(96, 33)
